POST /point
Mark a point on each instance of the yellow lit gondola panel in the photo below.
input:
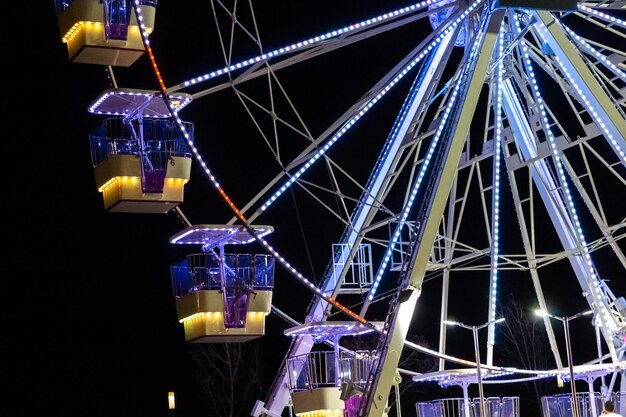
(103, 32)
(227, 301)
(319, 402)
(150, 182)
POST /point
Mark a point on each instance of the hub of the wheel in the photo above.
(552, 5)
(438, 17)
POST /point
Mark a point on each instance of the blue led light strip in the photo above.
(604, 313)
(495, 220)
(603, 16)
(597, 54)
(599, 122)
(309, 284)
(304, 44)
(365, 109)
(425, 164)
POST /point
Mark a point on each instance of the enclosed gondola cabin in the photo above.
(222, 297)
(141, 165)
(104, 32)
(329, 383)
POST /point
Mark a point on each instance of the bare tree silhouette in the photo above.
(524, 344)
(230, 375)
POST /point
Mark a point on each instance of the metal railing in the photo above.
(311, 371)
(201, 271)
(160, 137)
(359, 274)
(590, 404)
(321, 369)
(457, 407)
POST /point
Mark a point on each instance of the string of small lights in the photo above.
(604, 313)
(367, 107)
(425, 164)
(308, 43)
(603, 16)
(597, 54)
(495, 219)
(308, 283)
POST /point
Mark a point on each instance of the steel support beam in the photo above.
(470, 89)
(596, 100)
(279, 396)
(548, 188)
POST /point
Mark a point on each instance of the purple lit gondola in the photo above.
(222, 297)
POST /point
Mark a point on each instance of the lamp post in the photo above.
(475, 330)
(568, 347)
(171, 402)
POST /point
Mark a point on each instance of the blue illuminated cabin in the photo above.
(104, 32)
(222, 297)
(141, 164)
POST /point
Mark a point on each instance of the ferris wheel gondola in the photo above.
(141, 160)
(222, 296)
(103, 32)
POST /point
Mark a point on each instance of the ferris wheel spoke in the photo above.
(315, 150)
(592, 15)
(584, 271)
(599, 54)
(544, 181)
(473, 78)
(278, 399)
(445, 109)
(595, 99)
(320, 44)
(380, 89)
(316, 154)
(605, 4)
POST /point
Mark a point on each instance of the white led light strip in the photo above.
(364, 110)
(495, 222)
(309, 284)
(306, 43)
(597, 54)
(603, 16)
(425, 164)
(614, 144)
(606, 319)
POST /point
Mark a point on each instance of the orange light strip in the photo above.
(240, 216)
(81, 24)
(73, 31)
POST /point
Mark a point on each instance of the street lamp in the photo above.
(171, 402)
(568, 346)
(475, 330)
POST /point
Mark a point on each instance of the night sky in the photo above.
(91, 328)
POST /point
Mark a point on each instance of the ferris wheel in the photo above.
(503, 157)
